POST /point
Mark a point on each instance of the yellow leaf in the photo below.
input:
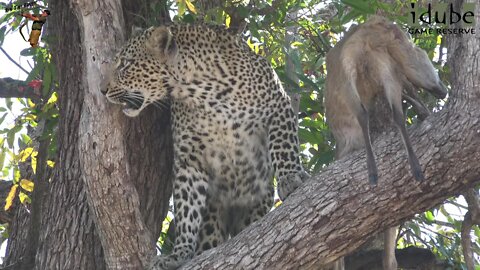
(33, 163)
(296, 44)
(26, 185)
(278, 203)
(25, 153)
(10, 197)
(50, 163)
(53, 98)
(190, 6)
(30, 117)
(252, 45)
(227, 20)
(30, 103)
(24, 198)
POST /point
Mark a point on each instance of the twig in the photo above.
(13, 61)
(473, 201)
(456, 204)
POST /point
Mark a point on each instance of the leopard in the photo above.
(233, 128)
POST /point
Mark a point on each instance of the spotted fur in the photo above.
(233, 129)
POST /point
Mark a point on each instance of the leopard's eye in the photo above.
(118, 62)
(124, 64)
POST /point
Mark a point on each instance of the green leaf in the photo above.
(27, 52)
(458, 225)
(350, 16)
(415, 228)
(26, 139)
(308, 104)
(2, 118)
(308, 82)
(16, 174)
(11, 134)
(360, 5)
(306, 136)
(34, 72)
(47, 80)
(10, 139)
(188, 18)
(9, 102)
(181, 7)
(5, 171)
(312, 137)
(243, 11)
(2, 34)
(2, 157)
(429, 217)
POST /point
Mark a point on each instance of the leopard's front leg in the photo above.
(189, 197)
(284, 148)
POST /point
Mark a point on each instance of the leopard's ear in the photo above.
(161, 44)
(136, 31)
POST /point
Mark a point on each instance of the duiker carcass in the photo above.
(374, 58)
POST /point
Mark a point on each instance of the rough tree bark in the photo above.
(126, 162)
(68, 239)
(337, 211)
(103, 158)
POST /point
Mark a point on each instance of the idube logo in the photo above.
(442, 18)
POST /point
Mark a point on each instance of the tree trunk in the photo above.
(126, 162)
(68, 239)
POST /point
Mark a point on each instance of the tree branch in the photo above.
(336, 212)
(10, 88)
(13, 61)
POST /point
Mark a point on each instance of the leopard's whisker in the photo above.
(159, 105)
(135, 95)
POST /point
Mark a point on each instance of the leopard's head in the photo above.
(140, 72)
